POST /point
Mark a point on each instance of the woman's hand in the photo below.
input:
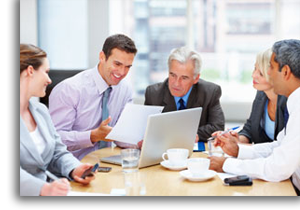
(77, 173)
(59, 187)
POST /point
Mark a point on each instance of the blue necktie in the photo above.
(181, 104)
(105, 113)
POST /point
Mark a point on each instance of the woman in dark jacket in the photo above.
(254, 130)
(267, 115)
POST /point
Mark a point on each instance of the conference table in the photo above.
(159, 181)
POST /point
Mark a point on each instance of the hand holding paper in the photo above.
(132, 123)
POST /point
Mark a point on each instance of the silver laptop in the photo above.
(175, 129)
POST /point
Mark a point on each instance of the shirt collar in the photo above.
(32, 106)
(99, 81)
(185, 97)
(292, 102)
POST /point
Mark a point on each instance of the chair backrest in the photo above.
(57, 76)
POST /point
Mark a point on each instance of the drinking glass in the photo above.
(130, 160)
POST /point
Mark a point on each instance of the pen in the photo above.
(51, 176)
(231, 129)
(55, 178)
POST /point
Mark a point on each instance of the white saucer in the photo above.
(205, 176)
(170, 166)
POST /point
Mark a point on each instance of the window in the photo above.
(63, 27)
(249, 18)
(228, 34)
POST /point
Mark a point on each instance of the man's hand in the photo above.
(140, 144)
(216, 163)
(228, 142)
(101, 132)
(197, 138)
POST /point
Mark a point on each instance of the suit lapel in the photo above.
(169, 103)
(194, 100)
(44, 130)
(26, 141)
(261, 107)
(168, 100)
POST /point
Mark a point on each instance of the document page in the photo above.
(132, 123)
(74, 193)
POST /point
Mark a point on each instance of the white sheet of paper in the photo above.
(114, 192)
(76, 193)
(225, 175)
(132, 123)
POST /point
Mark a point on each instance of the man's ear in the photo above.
(197, 78)
(102, 56)
(286, 71)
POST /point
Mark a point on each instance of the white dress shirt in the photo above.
(274, 161)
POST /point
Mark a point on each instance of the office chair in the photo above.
(57, 76)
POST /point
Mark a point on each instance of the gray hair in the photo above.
(183, 55)
(287, 52)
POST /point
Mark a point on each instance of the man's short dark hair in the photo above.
(120, 42)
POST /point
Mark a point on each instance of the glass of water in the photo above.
(130, 160)
(214, 151)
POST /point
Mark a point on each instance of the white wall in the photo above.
(98, 28)
(28, 22)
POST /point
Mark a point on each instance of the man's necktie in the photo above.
(105, 113)
(181, 104)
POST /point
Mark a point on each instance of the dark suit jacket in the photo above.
(204, 94)
(252, 128)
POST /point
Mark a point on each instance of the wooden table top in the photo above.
(160, 181)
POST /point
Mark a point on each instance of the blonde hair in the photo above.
(263, 62)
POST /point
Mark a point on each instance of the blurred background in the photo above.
(227, 33)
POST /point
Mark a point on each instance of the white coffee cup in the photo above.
(176, 156)
(198, 166)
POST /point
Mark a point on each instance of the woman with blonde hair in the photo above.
(267, 115)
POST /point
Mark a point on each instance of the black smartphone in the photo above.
(89, 172)
(104, 169)
(241, 180)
